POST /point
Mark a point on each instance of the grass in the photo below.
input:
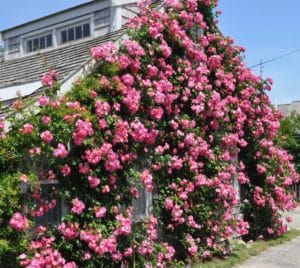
(244, 251)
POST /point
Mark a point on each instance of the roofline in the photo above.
(289, 102)
(47, 16)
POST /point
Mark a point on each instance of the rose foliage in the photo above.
(168, 110)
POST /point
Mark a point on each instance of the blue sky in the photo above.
(267, 28)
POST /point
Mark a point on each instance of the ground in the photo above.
(286, 255)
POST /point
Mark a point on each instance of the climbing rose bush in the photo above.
(169, 111)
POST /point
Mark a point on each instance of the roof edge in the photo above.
(45, 17)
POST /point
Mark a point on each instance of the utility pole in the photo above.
(261, 68)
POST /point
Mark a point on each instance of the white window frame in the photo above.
(38, 36)
(15, 43)
(145, 196)
(73, 25)
(102, 18)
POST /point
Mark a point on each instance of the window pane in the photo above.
(29, 46)
(49, 40)
(71, 34)
(42, 42)
(78, 31)
(35, 44)
(53, 216)
(64, 36)
(86, 30)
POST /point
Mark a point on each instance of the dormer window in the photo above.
(13, 44)
(75, 33)
(38, 43)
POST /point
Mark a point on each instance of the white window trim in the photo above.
(73, 23)
(148, 205)
(27, 36)
(25, 40)
(138, 216)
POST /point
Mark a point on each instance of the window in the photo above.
(86, 30)
(75, 33)
(143, 204)
(13, 45)
(236, 185)
(102, 21)
(71, 34)
(38, 43)
(54, 215)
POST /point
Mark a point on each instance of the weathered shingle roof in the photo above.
(64, 60)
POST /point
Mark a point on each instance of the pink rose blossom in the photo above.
(69, 230)
(45, 119)
(78, 206)
(49, 78)
(215, 61)
(46, 136)
(44, 100)
(27, 128)
(147, 180)
(156, 113)
(19, 222)
(94, 181)
(60, 151)
(100, 212)
(65, 170)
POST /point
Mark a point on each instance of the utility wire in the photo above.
(275, 58)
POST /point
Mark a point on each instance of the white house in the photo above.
(61, 41)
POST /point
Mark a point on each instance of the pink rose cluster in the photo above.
(2, 127)
(105, 52)
(186, 104)
(50, 78)
(19, 222)
(45, 254)
(83, 130)
(78, 206)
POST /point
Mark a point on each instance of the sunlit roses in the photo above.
(19, 222)
(169, 117)
(49, 78)
(78, 206)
